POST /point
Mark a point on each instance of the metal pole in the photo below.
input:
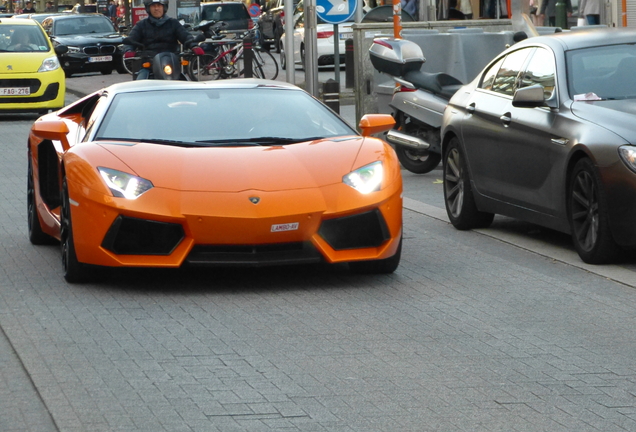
(336, 53)
(397, 19)
(290, 72)
(311, 48)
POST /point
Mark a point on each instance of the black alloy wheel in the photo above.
(458, 195)
(589, 219)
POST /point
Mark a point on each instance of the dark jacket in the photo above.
(159, 35)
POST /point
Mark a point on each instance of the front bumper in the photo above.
(47, 90)
(165, 228)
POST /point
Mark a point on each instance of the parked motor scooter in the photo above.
(418, 102)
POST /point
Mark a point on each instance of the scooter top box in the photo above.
(395, 56)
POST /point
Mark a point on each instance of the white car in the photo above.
(325, 37)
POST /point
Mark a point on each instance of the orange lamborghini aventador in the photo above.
(231, 173)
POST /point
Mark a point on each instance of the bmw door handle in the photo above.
(470, 109)
(506, 119)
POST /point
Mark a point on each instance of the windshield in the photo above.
(607, 72)
(228, 116)
(83, 25)
(20, 38)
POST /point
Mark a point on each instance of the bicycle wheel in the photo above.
(264, 65)
(267, 66)
(204, 68)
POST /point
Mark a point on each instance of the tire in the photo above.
(283, 60)
(202, 68)
(36, 235)
(74, 271)
(458, 195)
(302, 58)
(418, 162)
(588, 215)
(384, 266)
(106, 71)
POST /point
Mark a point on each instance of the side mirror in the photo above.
(60, 49)
(371, 124)
(55, 130)
(529, 97)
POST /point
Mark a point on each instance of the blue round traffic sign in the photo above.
(254, 10)
(335, 11)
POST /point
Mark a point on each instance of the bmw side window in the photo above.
(506, 79)
(540, 71)
(489, 76)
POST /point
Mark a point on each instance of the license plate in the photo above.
(100, 59)
(15, 91)
(344, 36)
(285, 227)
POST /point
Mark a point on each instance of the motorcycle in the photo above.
(418, 102)
(162, 66)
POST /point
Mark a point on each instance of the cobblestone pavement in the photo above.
(470, 334)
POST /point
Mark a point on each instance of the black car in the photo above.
(271, 23)
(233, 13)
(92, 42)
(546, 134)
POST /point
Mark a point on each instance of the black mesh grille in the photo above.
(50, 94)
(99, 50)
(33, 84)
(254, 255)
(131, 236)
(355, 232)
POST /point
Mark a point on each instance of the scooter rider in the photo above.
(159, 33)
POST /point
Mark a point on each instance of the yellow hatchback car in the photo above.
(31, 77)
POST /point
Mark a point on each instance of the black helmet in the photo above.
(147, 4)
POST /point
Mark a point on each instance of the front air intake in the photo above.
(355, 232)
(131, 236)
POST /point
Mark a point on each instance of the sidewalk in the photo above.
(81, 85)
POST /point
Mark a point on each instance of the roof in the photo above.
(584, 38)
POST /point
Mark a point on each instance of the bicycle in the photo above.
(225, 59)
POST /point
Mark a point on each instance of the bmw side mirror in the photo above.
(529, 97)
(61, 49)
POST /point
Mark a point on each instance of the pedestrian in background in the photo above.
(591, 9)
(532, 12)
(28, 9)
(49, 7)
(410, 6)
(548, 7)
(112, 11)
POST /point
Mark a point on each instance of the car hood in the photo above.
(232, 169)
(95, 38)
(617, 116)
(23, 62)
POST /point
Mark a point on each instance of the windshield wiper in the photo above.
(153, 141)
(263, 140)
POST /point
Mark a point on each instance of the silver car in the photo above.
(547, 134)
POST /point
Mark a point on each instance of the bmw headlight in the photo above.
(124, 185)
(49, 64)
(366, 179)
(73, 50)
(628, 155)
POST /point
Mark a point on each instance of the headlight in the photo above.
(628, 155)
(73, 50)
(366, 179)
(49, 64)
(124, 185)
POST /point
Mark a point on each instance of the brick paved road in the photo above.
(470, 334)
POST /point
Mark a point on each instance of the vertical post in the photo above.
(336, 53)
(248, 57)
(561, 17)
(331, 94)
(311, 48)
(397, 19)
(349, 67)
